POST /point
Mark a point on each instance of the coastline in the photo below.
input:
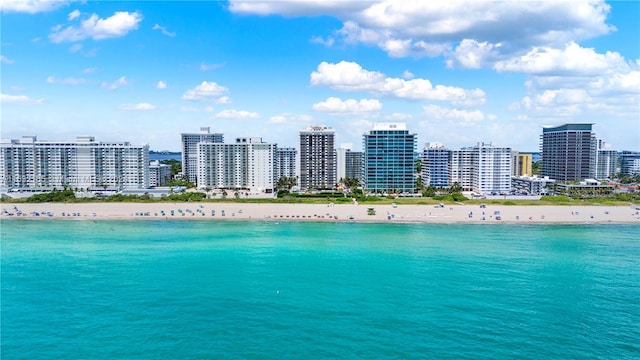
(471, 214)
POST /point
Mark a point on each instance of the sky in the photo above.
(456, 72)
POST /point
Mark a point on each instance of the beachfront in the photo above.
(488, 213)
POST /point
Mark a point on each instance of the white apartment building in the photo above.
(34, 165)
(606, 161)
(484, 168)
(190, 150)
(287, 160)
(159, 174)
(248, 164)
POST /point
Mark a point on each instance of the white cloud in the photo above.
(163, 30)
(461, 117)
(161, 85)
(122, 81)
(117, 25)
(88, 70)
(408, 75)
(350, 106)
(320, 40)
(571, 60)
(18, 99)
(350, 76)
(223, 100)
(6, 60)
(138, 106)
(74, 14)
(430, 28)
(206, 91)
(472, 54)
(65, 81)
(30, 6)
(237, 114)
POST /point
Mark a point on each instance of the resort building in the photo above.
(190, 150)
(568, 152)
(630, 162)
(606, 161)
(317, 158)
(531, 185)
(287, 158)
(248, 164)
(435, 165)
(29, 164)
(389, 158)
(484, 168)
(159, 174)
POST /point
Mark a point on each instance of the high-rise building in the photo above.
(341, 162)
(521, 164)
(248, 164)
(435, 165)
(353, 165)
(317, 158)
(389, 150)
(630, 162)
(190, 150)
(484, 168)
(568, 152)
(286, 162)
(159, 174)
(606, 161)
(31, 164)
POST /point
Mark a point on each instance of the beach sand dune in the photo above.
(319, 212)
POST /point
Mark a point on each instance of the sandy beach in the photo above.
(320, 212)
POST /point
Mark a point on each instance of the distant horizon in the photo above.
(467, 72)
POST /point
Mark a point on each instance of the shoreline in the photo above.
(424, 214)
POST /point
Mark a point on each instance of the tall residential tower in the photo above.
(190, 151)
(317, 158)
(568, 152)
(389, 150)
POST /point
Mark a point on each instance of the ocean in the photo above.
(292, 290)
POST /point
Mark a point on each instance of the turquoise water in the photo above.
(189, 289)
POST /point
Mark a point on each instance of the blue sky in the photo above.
(457, 72)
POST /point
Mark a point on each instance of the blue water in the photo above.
(238, 290)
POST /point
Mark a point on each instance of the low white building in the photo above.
(532, 185)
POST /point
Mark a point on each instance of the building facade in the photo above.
(248, 164)
(159, 174)
(317, 158)
(287, 158)
(630, 162)
(435, 165)
(190, 150)
(568, 152)
(484, 168)
(521, 164)
(606, 161)
(354, 165)
(31, 164)
(531, 185)
(389, 166)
